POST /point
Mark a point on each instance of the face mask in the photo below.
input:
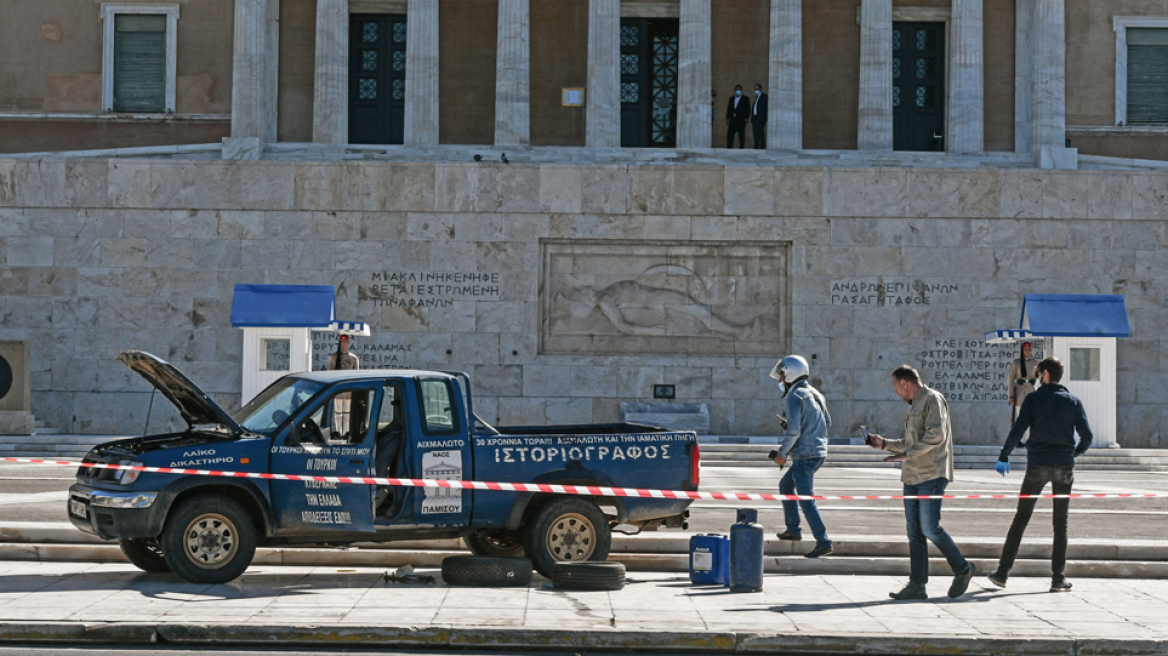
(738, 92)
(757, 92)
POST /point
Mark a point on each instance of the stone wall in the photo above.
(708, 270)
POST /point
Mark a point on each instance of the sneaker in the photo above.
(910, 591)
(787, 535)
(1060, 585)
(998, 578)
(961, 582)
(817, 552)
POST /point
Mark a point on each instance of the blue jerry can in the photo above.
(746, 552)
(709, 559)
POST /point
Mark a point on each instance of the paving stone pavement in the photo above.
(831, 605)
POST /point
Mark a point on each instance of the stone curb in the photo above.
(710, 642)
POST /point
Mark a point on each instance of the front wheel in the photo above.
(146, 555)
(209, 539)
(567, 530)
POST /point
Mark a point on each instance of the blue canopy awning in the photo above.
(1075, 315)
(283, 306)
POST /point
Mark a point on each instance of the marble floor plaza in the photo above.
(1127, 609)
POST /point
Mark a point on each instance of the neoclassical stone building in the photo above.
(928, 163)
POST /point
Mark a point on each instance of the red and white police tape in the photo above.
(583, 490)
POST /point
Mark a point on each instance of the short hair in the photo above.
(907, 374)
(737, 86)
(1052, 366)
(758, 84)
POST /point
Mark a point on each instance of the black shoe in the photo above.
(817, 552)
(910, 591)
(1060, 584)
(998, 578)
(961, 582)
(787, 535)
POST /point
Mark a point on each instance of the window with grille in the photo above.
(1147, 75)
(139, 63)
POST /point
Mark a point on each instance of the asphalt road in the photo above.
(32, 493)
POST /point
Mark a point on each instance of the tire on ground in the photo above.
(209, 539)
(146, 555)
(481, 571)
(567, 530)
(588, 576)
(483, 543)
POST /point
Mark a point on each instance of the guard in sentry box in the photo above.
(804, 443)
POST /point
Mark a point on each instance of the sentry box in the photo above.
(278, 322)
(1080, 330)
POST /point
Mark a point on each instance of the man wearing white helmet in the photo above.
(804, 443)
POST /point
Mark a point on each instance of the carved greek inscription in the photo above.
(875, 292)
(428, 288)
(967, 369)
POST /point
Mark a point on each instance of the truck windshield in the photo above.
(274, 405)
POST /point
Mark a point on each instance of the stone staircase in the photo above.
(966, 457)
(50, 445)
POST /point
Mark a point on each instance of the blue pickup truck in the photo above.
(388, 423)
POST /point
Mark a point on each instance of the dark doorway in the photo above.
(649, 82)
(377, 79)
(918, 86)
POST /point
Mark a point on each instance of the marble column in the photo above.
(603, 125)
(272, 72)
(875, 129)
(785, 120)
(513, 75)
(422, 73)
(330, 95)
(249, 98)
(693, 75)
(1048, 100)
(966, 120)
(1023, 73)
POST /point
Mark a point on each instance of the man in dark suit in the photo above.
(737, 115)
(758, 116)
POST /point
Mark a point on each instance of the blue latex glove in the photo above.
(1002, 468)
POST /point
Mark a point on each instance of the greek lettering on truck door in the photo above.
(441, 450)
(332, 437)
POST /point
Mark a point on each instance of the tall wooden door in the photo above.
(918, 86)
(649, 50)
(377, 79)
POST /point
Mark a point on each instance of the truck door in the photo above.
(439, 448)
(331, 437)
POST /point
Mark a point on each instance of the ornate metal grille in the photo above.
(399, 61)
(369, 60)
(367, 89)
(369, 32)
(630, 92)
(399, 32)
(663, 127)
(399, 90)
(630, 36)
(630, 64)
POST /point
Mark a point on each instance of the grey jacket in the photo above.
(928, 439)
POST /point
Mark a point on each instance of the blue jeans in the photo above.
(800, 479)
(924, 521)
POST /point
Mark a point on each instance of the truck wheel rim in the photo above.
(572, 537)
(211, 541)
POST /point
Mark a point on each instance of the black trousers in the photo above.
(759, 135)
(1061, 478)
(736, 128)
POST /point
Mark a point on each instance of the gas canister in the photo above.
(709, 559)
(746, 552)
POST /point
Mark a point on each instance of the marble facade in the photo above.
(446, 261)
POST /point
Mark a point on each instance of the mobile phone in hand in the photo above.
(864, 435)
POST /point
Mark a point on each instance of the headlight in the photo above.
(144, 500)
(128, 476)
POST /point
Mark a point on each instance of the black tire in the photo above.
(588, 576)
(493, 545)
(479, 571)
(567, 530)
(209, 539)
(146, 555)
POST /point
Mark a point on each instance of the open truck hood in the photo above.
(192, 403)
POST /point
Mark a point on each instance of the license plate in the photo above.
(77, 507)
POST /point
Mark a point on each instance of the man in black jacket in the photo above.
(1053, 415)
(737, 115)
(758, 118)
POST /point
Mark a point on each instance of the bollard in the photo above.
(746, 552)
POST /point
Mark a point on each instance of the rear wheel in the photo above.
(496, 545)
(209, 539)
(146, 555)
(567, 530)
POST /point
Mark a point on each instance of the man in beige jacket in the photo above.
(927, 449)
